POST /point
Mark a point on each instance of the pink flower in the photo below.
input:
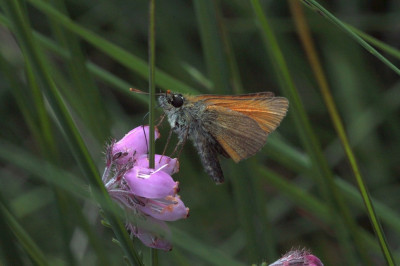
(133, 144)
(149, 195)
(298, 258)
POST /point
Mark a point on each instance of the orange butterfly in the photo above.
(235, 126)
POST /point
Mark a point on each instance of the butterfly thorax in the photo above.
(189, 121)
(185, 120)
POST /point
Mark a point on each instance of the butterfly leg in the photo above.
(166, 144)
(161, 120)
(181, 143)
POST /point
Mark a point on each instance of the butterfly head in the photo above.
(170, 100)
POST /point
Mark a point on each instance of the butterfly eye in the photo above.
(177, 100)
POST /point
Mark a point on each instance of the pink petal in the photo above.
(151, 239)
(133, 143)
(167, 164)
(313, 260)
(167, 209)
(147, 183)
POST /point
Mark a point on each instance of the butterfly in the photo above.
(235, 126)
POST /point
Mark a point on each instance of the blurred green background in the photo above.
(66, 70)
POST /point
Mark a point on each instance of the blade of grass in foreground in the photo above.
(322, 173)
(17, 14)
(152, 95)
(305, 36)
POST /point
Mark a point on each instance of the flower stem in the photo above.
(152, 57)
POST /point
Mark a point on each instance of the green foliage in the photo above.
(65, 72)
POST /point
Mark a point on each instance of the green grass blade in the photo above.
(81, 91)
(33, 56)
(323, 175)
(215, 57)
(152, 96)
(125, 58)
(315, 6)
(377, 43)
(308, 44)
(23, 238)
(10, 255)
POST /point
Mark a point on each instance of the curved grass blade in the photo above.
(305, 36)
(32, 53)
(23, 238)
(315, 6)
(127, 59)
(321, 171)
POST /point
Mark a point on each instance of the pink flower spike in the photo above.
(133, 143)
(167, 209)
(148, 183)
(167, 164)
(313, 260)
(298, 257)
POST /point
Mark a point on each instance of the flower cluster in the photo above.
(298, 257)
(148, 195)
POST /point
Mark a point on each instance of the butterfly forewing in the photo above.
(266, 110)
(243, 122)
(239, 135)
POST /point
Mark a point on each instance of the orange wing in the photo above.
(267, 110)
(238, 134)
(248, 96)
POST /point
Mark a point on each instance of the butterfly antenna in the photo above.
(144, 117)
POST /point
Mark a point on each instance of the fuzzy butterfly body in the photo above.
(235, 126)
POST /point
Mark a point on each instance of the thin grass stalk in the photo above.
(308, 44)
(377, 43)
(315, 6)
(152, 95)
(32, 53)
(321, 172)
(152, 60)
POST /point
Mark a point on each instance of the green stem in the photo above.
(152, 103)
(337, 122)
